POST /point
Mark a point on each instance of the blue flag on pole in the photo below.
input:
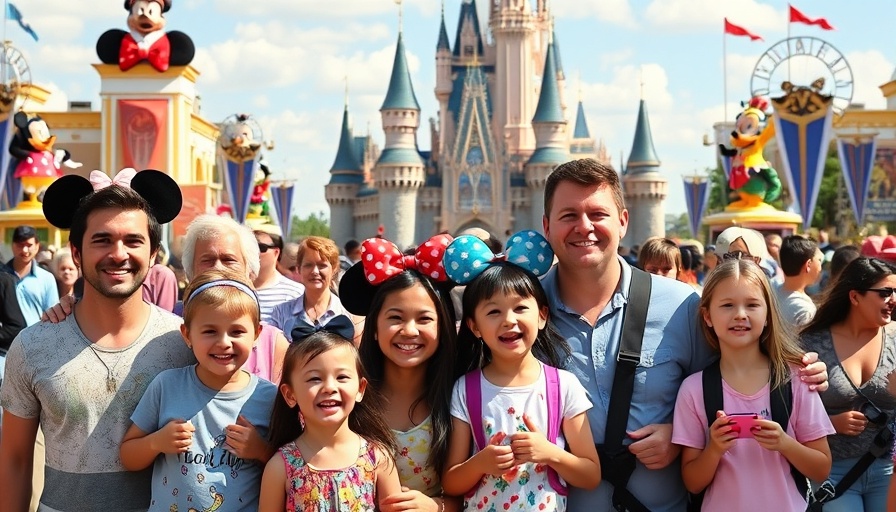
(13, 13)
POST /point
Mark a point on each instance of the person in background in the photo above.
(710, 260)
(660, 256)
(841, 257)
(801, 262)
(773, 248)
(160, 287)
(35, 287)
(737, 242)
(286, 263)
(691, 262)
(272, 287)
(65, 271)
(350, 256)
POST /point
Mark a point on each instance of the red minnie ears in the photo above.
(166, 4)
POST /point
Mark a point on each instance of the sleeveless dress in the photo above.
(351, 489)
(411, 460)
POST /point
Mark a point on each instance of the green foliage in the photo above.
(315, 224)
(678, 226)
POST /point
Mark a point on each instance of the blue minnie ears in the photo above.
(468, 256)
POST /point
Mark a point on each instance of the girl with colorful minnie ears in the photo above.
(517, 407)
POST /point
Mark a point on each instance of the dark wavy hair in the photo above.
(502, 277)
(442, 369)
(366, 419)
(860, 274)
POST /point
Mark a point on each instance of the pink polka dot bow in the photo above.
(382, 259)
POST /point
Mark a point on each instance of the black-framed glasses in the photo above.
(740, 255)
(262, 247)
(885, 293)
(874, 415)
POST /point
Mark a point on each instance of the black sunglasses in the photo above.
(885, 293)
(740, 255)
(264, 247)
(875, 416)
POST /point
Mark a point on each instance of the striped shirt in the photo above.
(283, 290)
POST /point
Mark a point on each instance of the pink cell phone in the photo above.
(742, 423)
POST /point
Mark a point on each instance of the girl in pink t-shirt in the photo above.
(745, 465)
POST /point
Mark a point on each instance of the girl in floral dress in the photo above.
(408, 347)
(335, 448)
(520, 411)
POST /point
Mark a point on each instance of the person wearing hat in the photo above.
(737, 242)
(80, 380)
(35, 287)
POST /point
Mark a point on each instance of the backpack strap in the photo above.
(555, 419)
(617, 463)
(782, 404)
(473, 388)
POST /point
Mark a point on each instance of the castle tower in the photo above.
(561, 76)
(399, 172)
(551, 147)
(513, 29)
(643, 186)
(443, 79)
(582, 145)
(346, 178)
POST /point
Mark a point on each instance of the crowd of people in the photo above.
(547, 373)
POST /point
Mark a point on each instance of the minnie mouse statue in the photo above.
(146, 39)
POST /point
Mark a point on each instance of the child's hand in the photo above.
(495, 459)
(531, 446)
(244, 441)
(175, 437)
(770, 435)
(721, 434)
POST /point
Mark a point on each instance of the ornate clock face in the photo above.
(801, 60)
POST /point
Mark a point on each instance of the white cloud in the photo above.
(318, 9)
(624, 88)
(62, 58)
(616, 12)
(685, 15)
(870, 70)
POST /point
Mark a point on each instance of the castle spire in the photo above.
(643, 155)
(581, 130)
(346, 167)
(549, 109)
(401, 91)
(443, 44)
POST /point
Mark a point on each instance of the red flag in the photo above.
(798, 17)
(734, 30)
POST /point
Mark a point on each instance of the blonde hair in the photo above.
(777, 341)
(226, 300)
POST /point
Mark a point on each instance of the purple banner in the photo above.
(282, 195)
(696, 195)
(239, 179)
(803, 129)
(857, 162)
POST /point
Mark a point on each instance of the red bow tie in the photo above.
(130, 54)
(382, 259)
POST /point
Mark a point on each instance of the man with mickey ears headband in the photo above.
(80, 379)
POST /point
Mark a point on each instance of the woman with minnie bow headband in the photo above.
(408, 349)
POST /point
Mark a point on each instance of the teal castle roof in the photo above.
(549, 110)
(400, 95)
(346, 168)
(643, 155)
(443, 44)
(556, 46)
(581, 130)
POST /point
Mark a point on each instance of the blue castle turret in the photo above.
(644, 188)
(346, 179)
(399, 172)
(551, 140)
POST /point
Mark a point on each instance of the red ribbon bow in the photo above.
(130, 54)
(382, 259)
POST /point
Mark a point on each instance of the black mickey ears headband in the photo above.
(65, 195)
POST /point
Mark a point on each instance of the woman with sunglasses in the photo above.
(851, 333)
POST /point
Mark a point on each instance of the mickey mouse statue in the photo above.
(146, 39)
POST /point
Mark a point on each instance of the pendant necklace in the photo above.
(111, 381)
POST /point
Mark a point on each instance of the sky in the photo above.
(286, 62)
